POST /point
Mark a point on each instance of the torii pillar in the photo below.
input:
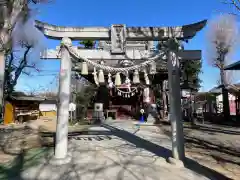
(61, 155)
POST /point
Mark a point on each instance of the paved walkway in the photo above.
(116, 154)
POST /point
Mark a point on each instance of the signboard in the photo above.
(72, 107)
(118, 39)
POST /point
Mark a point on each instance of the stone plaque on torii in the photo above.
(119, 35)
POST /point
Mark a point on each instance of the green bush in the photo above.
(85, 100)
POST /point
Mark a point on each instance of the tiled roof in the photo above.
(230, 87)
(233, 66)
(33, 98)
(27, 98)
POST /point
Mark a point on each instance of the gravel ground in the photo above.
(215, 147)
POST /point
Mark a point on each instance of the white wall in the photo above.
(47, 107)
(231, 97)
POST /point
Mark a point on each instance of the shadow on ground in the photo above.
(25, 159)
(21, 162)
(221, 154)
(165, 153)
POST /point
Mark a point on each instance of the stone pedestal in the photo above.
(98, 114)
(60, 161)
(150, 119)
(98, 117)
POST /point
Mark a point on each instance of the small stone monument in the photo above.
(98, 114)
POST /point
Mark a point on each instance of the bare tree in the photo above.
(229, 78)
(222, 36)
(48, 94)
(11, 13)
(31, 91)
(15, 66)
(234, 3)
(20, 59)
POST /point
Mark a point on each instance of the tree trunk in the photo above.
(226, 108)
(10, 21)
(2, 70)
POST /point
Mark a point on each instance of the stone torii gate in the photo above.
(118, 35)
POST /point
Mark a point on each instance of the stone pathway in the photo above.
(208, 168)
(113, 155)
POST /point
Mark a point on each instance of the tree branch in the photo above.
(11, 60)
(235, 3)
(11, 83)
(22, 65)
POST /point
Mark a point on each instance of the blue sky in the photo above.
(129, 12)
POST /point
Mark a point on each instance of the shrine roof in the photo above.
(233, 66)
(132, 33)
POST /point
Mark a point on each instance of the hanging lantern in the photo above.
(147, 81)
(152, 68)
(136, 79)
(84, 70)
(110, 83)
(95, 76)
(146, 95)
(101, 76)
(127, 80)
(109, 78)
(118, 79)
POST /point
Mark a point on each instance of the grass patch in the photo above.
(24, 160)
